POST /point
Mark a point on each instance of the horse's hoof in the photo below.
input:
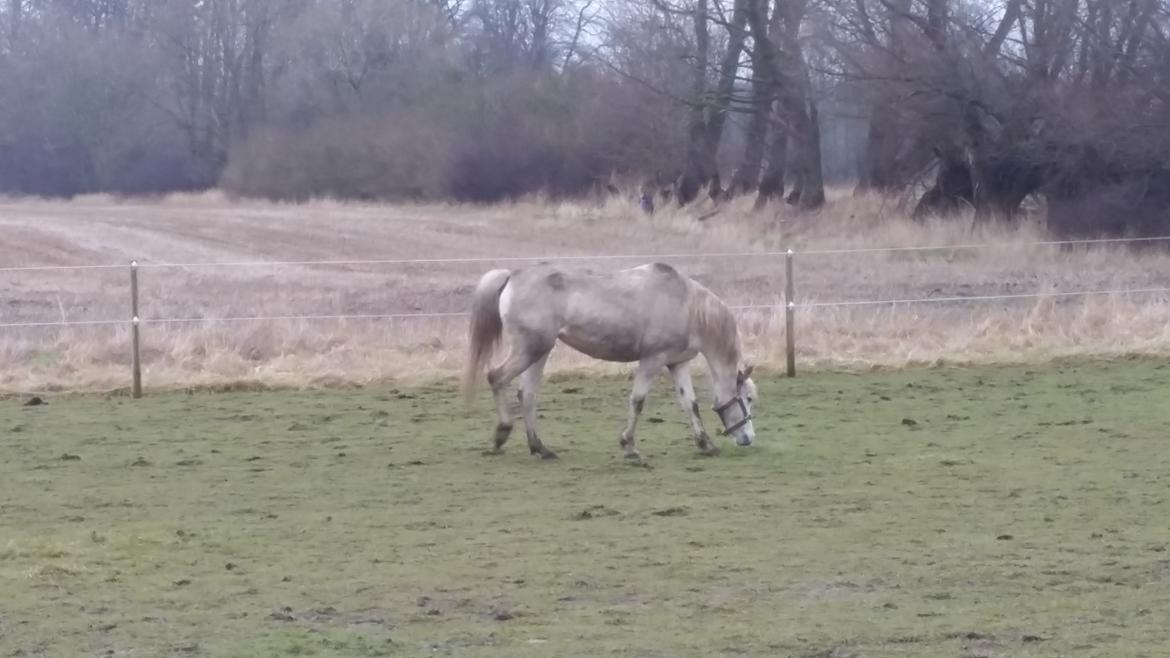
(634, 455)
(503, 432)
(548, 455)
(494, 452)
(710, 451)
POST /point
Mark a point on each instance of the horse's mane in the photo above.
(715, 324)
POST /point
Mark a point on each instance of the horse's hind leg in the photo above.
(499, 378)
(529, 387)
(685, 389)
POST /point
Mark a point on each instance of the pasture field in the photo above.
(984, 512)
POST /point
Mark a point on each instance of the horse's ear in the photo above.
(747, 371)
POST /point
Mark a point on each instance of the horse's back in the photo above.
(546, 282)
(619, 316)
(651, 293)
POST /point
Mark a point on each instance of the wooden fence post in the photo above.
(790, 312)
(136, 358)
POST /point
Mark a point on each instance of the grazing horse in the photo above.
(651, 314)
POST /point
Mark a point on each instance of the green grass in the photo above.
(982, 512)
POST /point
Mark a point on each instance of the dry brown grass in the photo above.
(208, 227)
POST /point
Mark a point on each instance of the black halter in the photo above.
(747, 416)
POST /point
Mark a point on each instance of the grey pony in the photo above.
(650, 314)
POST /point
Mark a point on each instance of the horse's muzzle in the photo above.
(744, 441)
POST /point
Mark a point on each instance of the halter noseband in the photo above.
(747, 416)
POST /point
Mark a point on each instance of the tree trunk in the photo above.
(766, 68)
(257, 28)
(747, 174)
(1002, 163)
(709, 115)
(809, 185)
(788, 73)
(772, 182)
(1000, 186)
(718, 107)
(694, 172)
(879, 167)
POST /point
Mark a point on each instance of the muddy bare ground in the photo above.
(983, 512)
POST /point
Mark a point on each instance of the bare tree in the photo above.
(747, 174)
(700, 166)
(786, 71)
(986, 104)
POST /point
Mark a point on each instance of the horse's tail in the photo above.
(486, 326)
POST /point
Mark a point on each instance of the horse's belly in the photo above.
(601, 344)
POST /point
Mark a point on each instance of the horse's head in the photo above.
(736, 412)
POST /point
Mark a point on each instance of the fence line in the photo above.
(588, 257)
(242, 318)
(406, 261)
(975, 246)
(262, 318)
(981, 298)
(789, 304)
(61, 268)
(453, 261)
(458, 314)
(62, 323)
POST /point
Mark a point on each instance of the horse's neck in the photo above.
(723, 376)
(722, 353)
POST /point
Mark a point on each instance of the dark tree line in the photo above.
(983, 105)
(1064, 100)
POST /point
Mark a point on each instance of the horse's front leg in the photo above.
(685, 389)
(643, 378)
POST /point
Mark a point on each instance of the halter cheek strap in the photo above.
(738, 424)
